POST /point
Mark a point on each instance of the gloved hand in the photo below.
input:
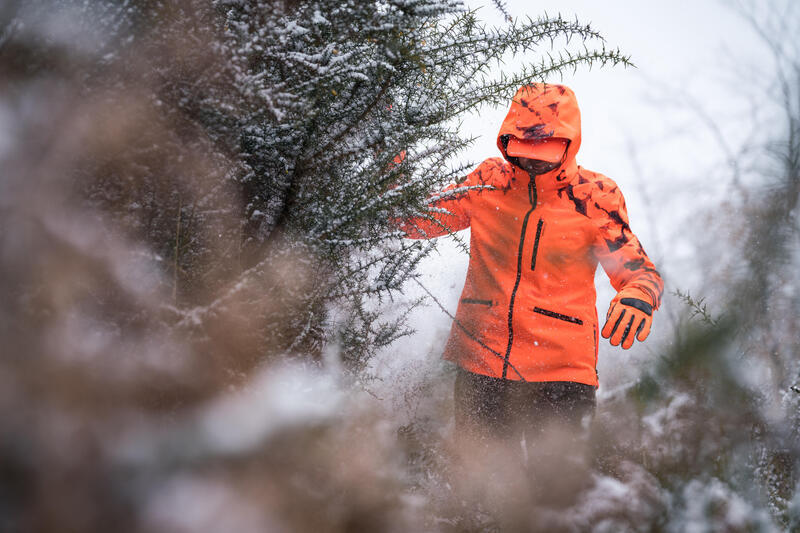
(628, 317)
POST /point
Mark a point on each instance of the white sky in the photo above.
(642, 127)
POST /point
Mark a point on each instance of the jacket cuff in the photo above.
(640, 293)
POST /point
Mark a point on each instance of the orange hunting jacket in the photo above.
(528, 307)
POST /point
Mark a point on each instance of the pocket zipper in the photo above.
(559, 316)
(476, 301)
(539, 227)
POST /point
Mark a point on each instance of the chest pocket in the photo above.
(562, 242)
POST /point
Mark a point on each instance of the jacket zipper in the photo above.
(532, 197)
(536, 243)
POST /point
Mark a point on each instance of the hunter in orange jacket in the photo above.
(528, 308)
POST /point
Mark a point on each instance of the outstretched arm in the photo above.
(449, 209)
(639, 285)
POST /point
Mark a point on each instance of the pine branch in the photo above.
(698, 307)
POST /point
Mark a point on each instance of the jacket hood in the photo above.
(539, 111)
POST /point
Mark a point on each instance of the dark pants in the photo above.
(501, 408)
(495, 416)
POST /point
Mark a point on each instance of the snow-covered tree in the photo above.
(331, 93)
(280, 128)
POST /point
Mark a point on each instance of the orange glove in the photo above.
(628, 317)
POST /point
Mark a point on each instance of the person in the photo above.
(525, 334)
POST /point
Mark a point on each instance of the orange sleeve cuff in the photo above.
(639, 293)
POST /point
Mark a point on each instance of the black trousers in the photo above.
(501, 408)
(521, 443)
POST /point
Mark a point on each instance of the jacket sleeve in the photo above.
(620, 252)
(448, 211)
